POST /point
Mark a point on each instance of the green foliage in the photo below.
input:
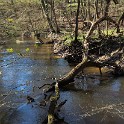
(27, 1)
(37, 45)
(122, 38)
(10, 50)
(72, 5)
(81, 39)
(10, 20)
(67, 36)
(68, 39)
(27, 49)
(15, 17)
(68, 42)
(20, 53)
(110, 32)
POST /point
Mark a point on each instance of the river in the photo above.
(24, 67)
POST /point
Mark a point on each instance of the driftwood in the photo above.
(108, 60)
(53, 104)
(85, 58)
(54, 108)
(114, 59)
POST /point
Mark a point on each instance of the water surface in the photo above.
(31, 66)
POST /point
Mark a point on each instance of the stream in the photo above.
(24, 67)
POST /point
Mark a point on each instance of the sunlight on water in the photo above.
(116, 85)
(21, 72)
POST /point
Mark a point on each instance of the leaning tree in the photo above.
(114, 59)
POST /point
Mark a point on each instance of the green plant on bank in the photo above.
(68, 39)
(11, 50)
(9, 27)
(122, 38)
(104, 32)
(72, 5)
(68, 42)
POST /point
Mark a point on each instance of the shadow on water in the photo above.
(30, 66)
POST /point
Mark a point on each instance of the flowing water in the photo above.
(24, 67)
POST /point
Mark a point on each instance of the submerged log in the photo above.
(53, 104)
(108, 61)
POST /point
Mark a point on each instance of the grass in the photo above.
(69, 39)
(72, 5)
(20, 1)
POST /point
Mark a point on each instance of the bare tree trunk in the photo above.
(101, 7)
(47, 15)
(97, 16)
(83, 5)
(88, 8)
(55, 20)
(107, 7)
(70, 76)
(30, 22)
(76, 28)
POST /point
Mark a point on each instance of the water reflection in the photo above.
(38, 66)
(19, 75)
(116, 85)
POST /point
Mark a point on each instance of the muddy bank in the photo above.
(107, 51)
(97, 46)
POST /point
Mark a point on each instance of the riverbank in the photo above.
(72, 51)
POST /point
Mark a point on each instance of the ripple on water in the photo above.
(38, 67)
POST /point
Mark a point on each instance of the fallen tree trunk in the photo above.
(70, 76)
(86, 59)
(53, 104)
(65, 80)
(114, 59)
(54, 108)
(111, 60)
